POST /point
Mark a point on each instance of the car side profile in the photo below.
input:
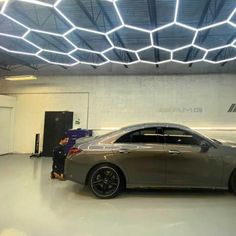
(151, 155)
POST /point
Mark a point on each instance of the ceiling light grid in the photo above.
(220, 50)
(117, 51)
(116, 30)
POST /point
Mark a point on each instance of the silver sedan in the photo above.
(152, 155)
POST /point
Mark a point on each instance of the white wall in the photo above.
(30, 111)
(7, 112)
(7, 101)
(116, 101)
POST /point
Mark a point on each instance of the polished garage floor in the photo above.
(33, 204)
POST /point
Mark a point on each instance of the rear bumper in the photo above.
(76, 172)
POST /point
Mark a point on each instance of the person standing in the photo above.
(59, 156)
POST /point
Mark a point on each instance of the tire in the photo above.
(232, 184)
(105, 181)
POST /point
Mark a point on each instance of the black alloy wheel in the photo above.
(233, 182)
(105, 181)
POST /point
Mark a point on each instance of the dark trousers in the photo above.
(58, 165)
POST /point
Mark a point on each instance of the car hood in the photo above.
(228, 143)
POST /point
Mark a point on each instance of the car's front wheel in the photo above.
(105, 181)
(233, 182)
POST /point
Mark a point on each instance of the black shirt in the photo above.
(59, 152)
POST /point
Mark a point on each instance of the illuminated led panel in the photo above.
(130, 38)
(153, 13)
(37, 16)
(154, 55)
(188, 54)
(121, 56)
(49, 42)
(193, 12)
(101, 16)
(180, 37)
(8, 26)
(215, 36)
(68, 32)
(17, 44)
(233, 18)
(48, 1)
(221, 54)
(234, 44)
(88, 57)
(57, 58)
(88, 40)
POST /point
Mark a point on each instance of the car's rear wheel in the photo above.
(105, 181)
(232, 184)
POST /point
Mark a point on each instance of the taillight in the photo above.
(74, 150)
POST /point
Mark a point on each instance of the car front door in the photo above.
(187, 165)
(141, 154)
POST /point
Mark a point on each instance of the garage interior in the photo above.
(113, 63)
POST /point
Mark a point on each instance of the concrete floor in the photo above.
(33, 204)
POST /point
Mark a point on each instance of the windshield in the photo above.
(216, 141)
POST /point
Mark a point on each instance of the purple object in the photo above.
(74, 134)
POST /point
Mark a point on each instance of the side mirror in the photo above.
(204, 146)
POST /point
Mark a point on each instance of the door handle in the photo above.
(174, 152)
(124, 151)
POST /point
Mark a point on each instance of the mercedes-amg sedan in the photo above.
(152, 155)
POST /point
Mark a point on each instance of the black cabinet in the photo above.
(56, 123)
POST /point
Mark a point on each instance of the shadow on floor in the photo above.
(160, 193)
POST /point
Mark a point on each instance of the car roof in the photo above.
(154, 124)
(131, 128)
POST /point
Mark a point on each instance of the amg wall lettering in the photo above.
(232, 108)
(182, 109)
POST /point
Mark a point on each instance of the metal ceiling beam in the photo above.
(215, 14)
(57, 47)
(21, 61)
(23, 14)
(116, 34)
(53, 44)
(81, 5)
(224, 63)
(87, 44)
(228, 42)
(63, 67)
(153, 20)
(84, 41)
(29, 19)
(5, 67)
(204, 16)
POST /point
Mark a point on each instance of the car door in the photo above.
(186, 163)
(140, 154)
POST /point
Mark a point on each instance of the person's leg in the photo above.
(59, 176)
(53, 170)
(52, 175)
(59, 172)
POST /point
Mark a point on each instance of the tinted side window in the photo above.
(149, 135)
(178, 136)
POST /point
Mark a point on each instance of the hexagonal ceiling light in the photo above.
(96, 32)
